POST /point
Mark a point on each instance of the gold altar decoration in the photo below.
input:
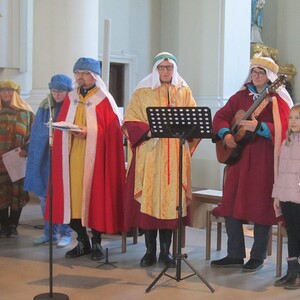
(288, 70)
(264, 50)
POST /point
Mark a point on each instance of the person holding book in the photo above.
(90, 194)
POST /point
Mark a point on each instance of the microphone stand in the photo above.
(50, 295)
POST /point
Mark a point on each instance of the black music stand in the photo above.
(51, 295)
(182, 123)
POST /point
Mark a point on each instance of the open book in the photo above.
(64, 126)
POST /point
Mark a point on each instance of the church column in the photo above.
(16, 43)
(213, 57)
(63, 31)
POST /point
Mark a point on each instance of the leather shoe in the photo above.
(253, 265)
(283, 280)
(12, 231)
(82, 248)
(293, 283)
(228, 262)
(148, 260)
(4, 231)
(97, 252)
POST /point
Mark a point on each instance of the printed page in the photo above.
(14, 164)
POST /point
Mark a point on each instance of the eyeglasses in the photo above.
(60, 92)
(259, 74)
(162, 67)
(82, 73)
(6, 90)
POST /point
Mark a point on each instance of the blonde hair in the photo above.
(289, 132)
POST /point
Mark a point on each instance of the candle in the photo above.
(106, 52)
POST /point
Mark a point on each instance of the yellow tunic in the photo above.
(157, 160)
(77, 154)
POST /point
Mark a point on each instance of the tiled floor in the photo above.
(24, 271)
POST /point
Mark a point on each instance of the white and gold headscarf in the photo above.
(153, 81)
(16, 101)
(271, 69)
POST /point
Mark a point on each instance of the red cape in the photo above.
(105, 210)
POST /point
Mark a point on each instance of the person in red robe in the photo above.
(247, 190)
(88, 166)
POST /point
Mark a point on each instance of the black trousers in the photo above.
(236, 240)
(76, 225)
(9, 216)
(291, 215)
(165, 239)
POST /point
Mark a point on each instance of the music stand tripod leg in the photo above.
(158, 277)
(199, 275)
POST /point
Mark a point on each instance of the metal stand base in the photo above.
(55, 296)
(106, 262)
(178, 258)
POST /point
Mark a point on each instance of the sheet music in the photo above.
(14, 164)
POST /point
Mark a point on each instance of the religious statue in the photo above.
(257, 13)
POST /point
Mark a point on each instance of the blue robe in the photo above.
(38, 160)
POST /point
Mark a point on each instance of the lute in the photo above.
(242, 137)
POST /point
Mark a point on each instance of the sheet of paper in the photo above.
(14, 164)
(64, 126)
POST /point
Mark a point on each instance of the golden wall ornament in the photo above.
(290, 71)
(264, 50)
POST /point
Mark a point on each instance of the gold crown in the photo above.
(265, 62)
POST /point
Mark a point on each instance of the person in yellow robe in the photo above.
(153, 169)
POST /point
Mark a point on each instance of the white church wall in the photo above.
(281, 22)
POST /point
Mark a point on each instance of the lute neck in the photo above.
(256, 103)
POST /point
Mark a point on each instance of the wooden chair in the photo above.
(124, 239)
